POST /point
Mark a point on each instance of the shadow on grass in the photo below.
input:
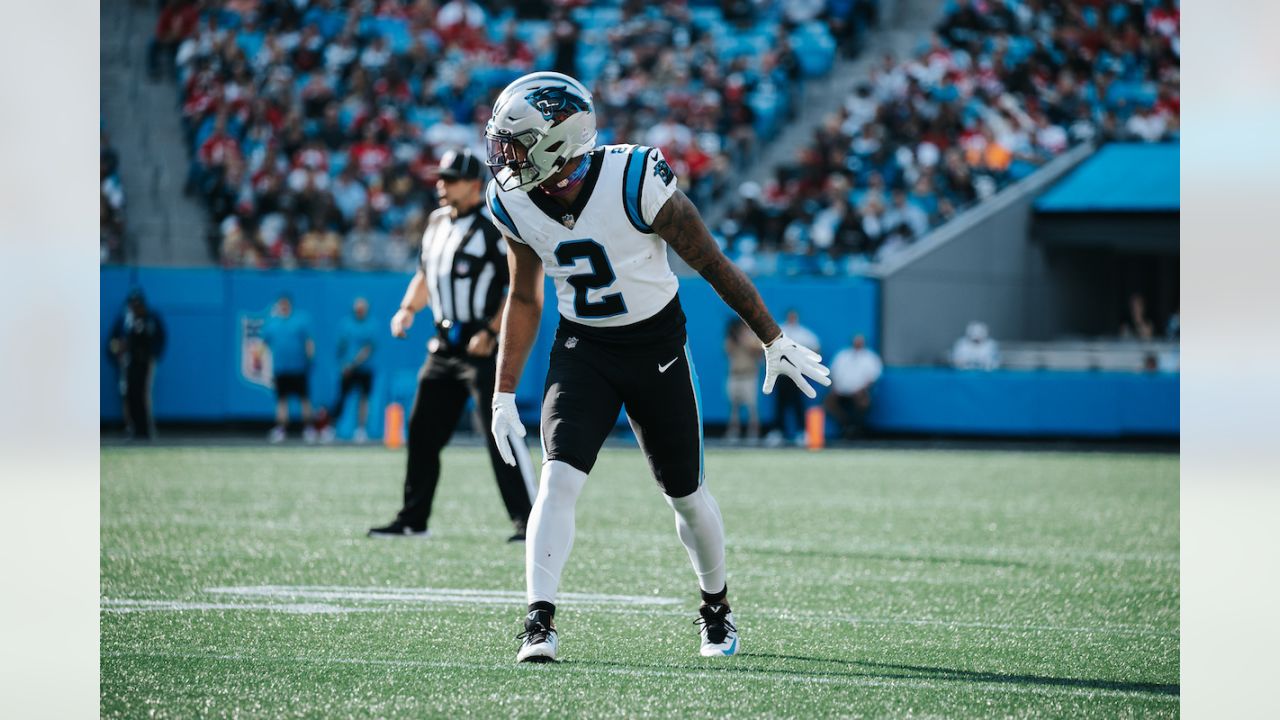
(893, 671)
(855, 555)
(925, 671)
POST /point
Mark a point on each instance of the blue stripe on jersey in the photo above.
(633, 185)
(697, 401)
(500, 212)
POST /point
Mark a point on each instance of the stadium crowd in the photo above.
(110, 203)
(999, 89)
(314, 124)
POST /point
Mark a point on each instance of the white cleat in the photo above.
(276, 436)
(360, 437)
(719, 634)
(539, 638)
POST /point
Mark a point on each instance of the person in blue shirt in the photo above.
(288, 336)
(355, 347)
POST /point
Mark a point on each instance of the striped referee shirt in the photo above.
(464, 261)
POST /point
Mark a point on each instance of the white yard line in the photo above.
(503, 597)
(128, 605)
(410, 598)
(761, 674)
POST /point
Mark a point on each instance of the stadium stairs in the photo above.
(982, 265)
(904, 24)
(163, 226)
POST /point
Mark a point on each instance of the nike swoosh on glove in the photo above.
(785, 356)
(506, 426)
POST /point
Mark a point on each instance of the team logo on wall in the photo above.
(255, 356)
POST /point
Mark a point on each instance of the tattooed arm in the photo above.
(679, 223)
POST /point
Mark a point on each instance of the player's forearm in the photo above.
(679, 223)
(519, 329)
(495, 323)
(736, 289)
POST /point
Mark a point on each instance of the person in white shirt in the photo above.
(853, 372)
(976, 350)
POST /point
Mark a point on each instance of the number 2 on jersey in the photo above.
(601, 275)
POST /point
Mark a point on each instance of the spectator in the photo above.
(790, 401)
(905, 217)
(1138, 325)
(137, 344)
(367, 247)
(355, 348)
(110, 204)
(176, 22)
(277, 98)
(975, 350)
(288, 336)
(744, 355)
(565, 35)
(853, 372)
(1001, 89)
(1146, 125)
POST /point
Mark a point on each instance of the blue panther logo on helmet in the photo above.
(557, 102)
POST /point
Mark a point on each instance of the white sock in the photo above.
(550, 533)
(701, 529)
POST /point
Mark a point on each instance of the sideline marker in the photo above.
(815, 428)
(393, 426)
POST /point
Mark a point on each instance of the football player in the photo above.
(598, 220)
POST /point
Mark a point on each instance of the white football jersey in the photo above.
(610, 269)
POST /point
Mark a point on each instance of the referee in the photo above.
(462, 274)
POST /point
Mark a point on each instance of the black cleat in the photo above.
(539, 638)
(398, 529)
(719, 634)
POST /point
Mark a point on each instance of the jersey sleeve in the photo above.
(648, 182)
(498, 211)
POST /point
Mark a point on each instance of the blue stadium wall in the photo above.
(200, 377)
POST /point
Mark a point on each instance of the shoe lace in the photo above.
(715, 620)
(534, 632)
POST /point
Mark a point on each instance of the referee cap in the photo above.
(460, 165)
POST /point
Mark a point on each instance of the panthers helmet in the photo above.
(540, 122)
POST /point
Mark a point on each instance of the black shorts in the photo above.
(291, 384)
(645, 368)
(361, 380)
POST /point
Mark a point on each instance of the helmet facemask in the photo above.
(509, 158)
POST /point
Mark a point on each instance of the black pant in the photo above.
(789, 401)
(135, 387)
(588, 384)
(361, 380)
(444, 383)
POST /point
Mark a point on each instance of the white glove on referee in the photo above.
(785, 356)
(506, 426)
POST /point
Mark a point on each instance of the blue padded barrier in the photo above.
(1030, 403)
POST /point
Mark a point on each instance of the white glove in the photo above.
(785, 356)
(506, 426)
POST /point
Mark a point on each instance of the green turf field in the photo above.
(238, 582)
